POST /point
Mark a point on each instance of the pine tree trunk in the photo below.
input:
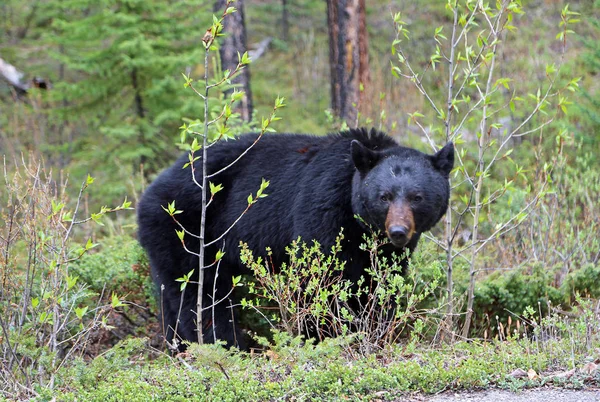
(141, 114)
(348, 56)
(234, 28)
(285, 20)
(363, 54)
(336, 65)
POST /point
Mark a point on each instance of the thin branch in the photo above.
(210, 243)
(210, 176)
(187, 232)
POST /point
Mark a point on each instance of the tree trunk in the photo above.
(363, 54)
(141, 114)
(348, 57)
(234, 28)
(336, 71)
(285, 20)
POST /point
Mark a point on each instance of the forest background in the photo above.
(101, 102)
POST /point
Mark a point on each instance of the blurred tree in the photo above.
(348, 56)
(124, 60)
(17, 19)
(234, 43)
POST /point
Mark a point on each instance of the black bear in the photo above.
(317, 186)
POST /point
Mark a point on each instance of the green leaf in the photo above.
(80, 312)
(56, 206)
(67, 216)
(195, 146)
(279, 102)
(115, 302)
(236, 281)
(214, 189)
(126, 204)
(96, 218)
(171, 209)
(237, 95)
(264, 184)
(45, 317)
(185, 279)
(245, 59)
(71, 281)
(89, 245)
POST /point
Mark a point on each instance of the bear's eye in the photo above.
(386, 198)
(417, 198)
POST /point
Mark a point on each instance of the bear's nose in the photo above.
(398, 235)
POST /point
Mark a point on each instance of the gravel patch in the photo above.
(529, 395)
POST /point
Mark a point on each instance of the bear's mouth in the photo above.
(399, 243)
(399, 238)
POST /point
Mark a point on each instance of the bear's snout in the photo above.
(399, 224)
(399, 235)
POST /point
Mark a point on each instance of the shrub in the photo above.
(312, 296)
(119, 265)
(46, 313)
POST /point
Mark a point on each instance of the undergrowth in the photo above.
(294, 369)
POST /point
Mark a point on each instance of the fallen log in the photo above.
(15, 78)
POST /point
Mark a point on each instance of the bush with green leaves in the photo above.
(501, 295)
(47, 313)
(313, 297)
(118, 265)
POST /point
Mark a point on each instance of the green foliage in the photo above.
(119, 265)
(305, 290)
(129, 56)
(313, 296)
(503, 295)
(46, 312)
(487, 113)
(293, 369)
(551, 256)
(584, 281)
(217, 123)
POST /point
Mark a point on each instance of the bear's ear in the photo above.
(364, 158)
(443, 160)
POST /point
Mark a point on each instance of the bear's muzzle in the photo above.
(400, 224)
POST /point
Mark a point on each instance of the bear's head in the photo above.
(400, 191)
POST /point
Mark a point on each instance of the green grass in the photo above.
(327, 371)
